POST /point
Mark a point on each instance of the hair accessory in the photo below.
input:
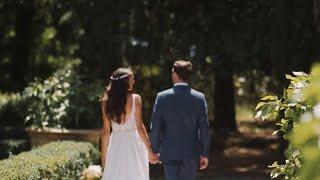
(120, 77)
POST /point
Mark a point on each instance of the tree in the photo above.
(316, 9)
(22, 43)
(223, 39)
(224, 100)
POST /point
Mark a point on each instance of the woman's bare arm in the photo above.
(105, 133)
(140, 126)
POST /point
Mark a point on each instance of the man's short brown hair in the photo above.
(183, 69)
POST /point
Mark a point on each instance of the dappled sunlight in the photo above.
(247, 153)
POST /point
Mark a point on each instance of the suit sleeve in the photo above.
(156, 126)
(204, 128)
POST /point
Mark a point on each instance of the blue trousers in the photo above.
(181, 169)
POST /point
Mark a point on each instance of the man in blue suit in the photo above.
(180, 128)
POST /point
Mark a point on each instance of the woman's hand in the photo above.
(153, 158)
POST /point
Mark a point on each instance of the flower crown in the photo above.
(120, 77)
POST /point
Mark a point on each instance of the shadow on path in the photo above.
(241, 156)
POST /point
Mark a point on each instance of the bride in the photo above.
(125, 154)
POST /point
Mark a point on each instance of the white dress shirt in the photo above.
(181, 84)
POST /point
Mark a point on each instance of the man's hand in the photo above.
(204, 161)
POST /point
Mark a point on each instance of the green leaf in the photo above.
(289, 77)
(266, 111)
(260, 104)
(316, 69)
(65, 17)
(300, 73)
(284, 121)
(288, 113)
(285, 93)
(275, 164)
(296, 153)
(304, 133)
(292, 104)
(271, 98)
(49, 33)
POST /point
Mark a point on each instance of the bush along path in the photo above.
(297, 116)
(241, 156)
(56, 160)
(13, 140)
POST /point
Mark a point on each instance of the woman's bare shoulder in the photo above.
(104, 98)
(137, 98)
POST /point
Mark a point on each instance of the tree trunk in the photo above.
(22, 43)
(316, 13)
(224, 102)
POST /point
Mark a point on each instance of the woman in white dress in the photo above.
(125, 154)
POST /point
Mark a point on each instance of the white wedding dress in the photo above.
(127, 156)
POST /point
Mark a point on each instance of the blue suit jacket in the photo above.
(179, 124)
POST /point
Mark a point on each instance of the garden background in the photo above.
(56, 58)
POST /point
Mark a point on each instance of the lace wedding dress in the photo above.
(127, 157)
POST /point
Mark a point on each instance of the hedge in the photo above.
(13, 109)
(13, 146)
(56, 160)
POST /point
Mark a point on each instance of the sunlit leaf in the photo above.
(304, 132)
(49, 33)
(292, 78)
(65, 17)
(300, 73)
(260, 105)
(289, 113)
(316, 70)
(271, 98)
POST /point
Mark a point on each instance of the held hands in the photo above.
(154, 158)
(204, 161)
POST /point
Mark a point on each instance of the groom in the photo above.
(179, 127)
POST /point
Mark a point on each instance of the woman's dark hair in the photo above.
(116, 94)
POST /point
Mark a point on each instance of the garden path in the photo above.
(242, 156)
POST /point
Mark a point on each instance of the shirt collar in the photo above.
(180, 84)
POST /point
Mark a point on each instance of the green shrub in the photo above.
(56, 160)
(13, 146)
(50, 99)
(85, 111)
(12, 109)
(63, 100)
(297, 114)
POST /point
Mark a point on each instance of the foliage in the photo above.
(64, 99)
(255, 35)
(10, 147)
(35, 41)
(289, 170)
(215, 35)
(50, 99)
(55, 160)
(85, 111)
(39, 37)
(307, 134)
(295, 113)
(12, 109)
